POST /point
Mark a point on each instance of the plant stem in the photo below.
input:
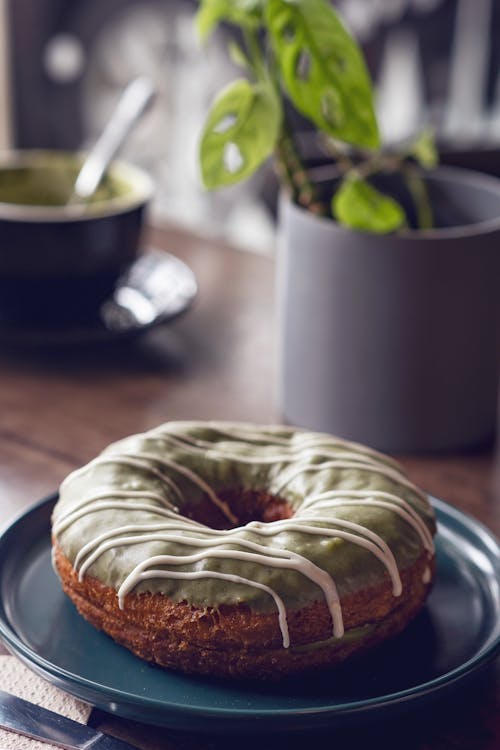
(294, 174)
(290, 167)
(420, 196)
(255, 55)
(342, 160)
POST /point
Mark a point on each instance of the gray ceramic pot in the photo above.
(394, 340)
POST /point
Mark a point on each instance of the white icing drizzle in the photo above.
(377, 498)
(248, 433)
(209, 544)
(142, 462)
(307, 447)
(239, 435)
(194, 478)
(197, 574)
(225, 455)
(59, 527)
(260, 555)
(134, 461)
(80, 509)
(340, 464)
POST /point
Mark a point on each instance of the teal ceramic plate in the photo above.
(458, 632)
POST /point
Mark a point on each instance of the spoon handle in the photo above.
(135, 99)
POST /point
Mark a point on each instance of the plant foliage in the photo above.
(357, 204)
(240, 132)
(299, 51)
(322, 70)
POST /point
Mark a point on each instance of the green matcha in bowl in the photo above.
(60, 259)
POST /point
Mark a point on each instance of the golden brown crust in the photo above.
(234, 641)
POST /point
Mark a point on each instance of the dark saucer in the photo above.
(157, 288)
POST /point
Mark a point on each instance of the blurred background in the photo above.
(63, 65)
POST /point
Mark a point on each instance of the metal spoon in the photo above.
(135, 100)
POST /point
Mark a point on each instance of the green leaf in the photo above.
(358, 205)
(242, 13)
(323, 69)
(424, 151)
(241, 131)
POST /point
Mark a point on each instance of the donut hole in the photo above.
(245, 505)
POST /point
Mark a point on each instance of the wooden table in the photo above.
(58, 408)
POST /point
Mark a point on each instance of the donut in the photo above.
(239, 550)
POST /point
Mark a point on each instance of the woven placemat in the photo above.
(15, 678)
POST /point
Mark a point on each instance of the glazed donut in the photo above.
(241, 550)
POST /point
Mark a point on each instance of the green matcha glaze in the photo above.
(218, 454)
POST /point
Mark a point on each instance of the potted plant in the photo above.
(388, 301)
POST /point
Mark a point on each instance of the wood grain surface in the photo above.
(59, 407)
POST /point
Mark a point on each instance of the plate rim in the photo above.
(308, 716)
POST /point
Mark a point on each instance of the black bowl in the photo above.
(61, 260)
